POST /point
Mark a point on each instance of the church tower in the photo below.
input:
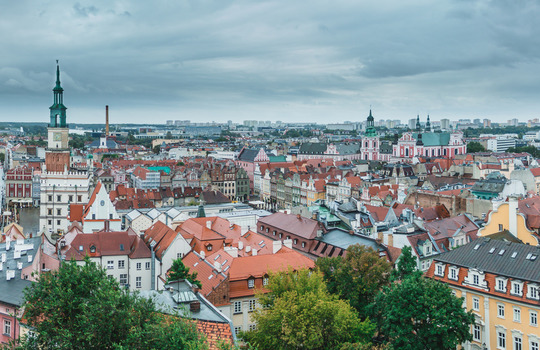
(57, 155)
(370, 145)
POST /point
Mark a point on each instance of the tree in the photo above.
(473, 147)
(357, 276)
(79, 307)
(156, 149)
(421, 313)
(406, 265)
(179, 271)
(299, 313)
(168, 136)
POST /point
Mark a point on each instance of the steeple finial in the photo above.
(418, 127)
(428, 124)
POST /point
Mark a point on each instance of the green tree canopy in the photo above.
(179, 271)
(357, 276)
(420, 313)
(79, 307)
(406, 265)
(473, 147)
(299, 313)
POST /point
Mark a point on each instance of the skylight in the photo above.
(491, 250)
(502, 251)
(476, 247)
(514, 254)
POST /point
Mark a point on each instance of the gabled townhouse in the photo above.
(166, 245)
(123, 254)
(93, 215)
(520, 217)
(499, 281)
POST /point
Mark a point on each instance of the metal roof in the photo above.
(497, 257)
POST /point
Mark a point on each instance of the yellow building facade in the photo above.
(507, 217)
(499, 282)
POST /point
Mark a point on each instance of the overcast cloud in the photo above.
(285, 60)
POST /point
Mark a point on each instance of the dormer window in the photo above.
(251, 283)
(500, 284)
(453, 273)
(427, 248)
(532, 291)
(476, 278)
(517, 288)
(439, 269)
(92, 249)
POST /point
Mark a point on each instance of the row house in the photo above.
(499, 282)
(18, 184)
(143, 178)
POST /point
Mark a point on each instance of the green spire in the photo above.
(428, 125)
(58, 110)
(418, 127)
(370, 126)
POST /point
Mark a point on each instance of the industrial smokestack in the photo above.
(107, 120)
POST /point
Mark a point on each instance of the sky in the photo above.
(294, 61)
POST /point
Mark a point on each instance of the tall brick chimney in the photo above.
(107, 120)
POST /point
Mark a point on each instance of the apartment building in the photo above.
(500, 282)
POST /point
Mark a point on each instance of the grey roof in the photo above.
(485, 255)
(110, 143)
(348, 148)
(178, 299)
(313, 148)
(343, 239)
(11, 291)
(492, 183)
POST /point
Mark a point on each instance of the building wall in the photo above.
(129, 269)
(502, 219)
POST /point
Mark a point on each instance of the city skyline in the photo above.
(240, 60)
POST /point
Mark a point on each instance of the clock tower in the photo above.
(57, 155)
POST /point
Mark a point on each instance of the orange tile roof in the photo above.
(162, 235)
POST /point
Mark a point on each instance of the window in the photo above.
(58, 222)
(237, 330)
(453, 274)
(476, 279)
(517, 343)
(121, 264)
(79, 198)
(110, 265)
(517, 288)
(532, 291)
(262, 227)
(303, 244)
(440, 270)
(252, 304)
(533, 316)
(50, 222)
(500, 310)
(534, 345)
(139, 266)
(138, 282)
(267, 230)
(501, 340)
(500, 227)
(265, 281)
(58, 211)
(251, 283)
(49, 211)
(7, 327)
(252, 327)
(476, 304)
(237, 307)
(501, 285)
(274, 232)
(517, 314)
(59, 198)
(477, 335)
(71, 198)
(123, 279)
(295, 241)
(147, 265)
(50, 198)
(280, 235)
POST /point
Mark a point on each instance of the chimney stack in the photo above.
(107, 121)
